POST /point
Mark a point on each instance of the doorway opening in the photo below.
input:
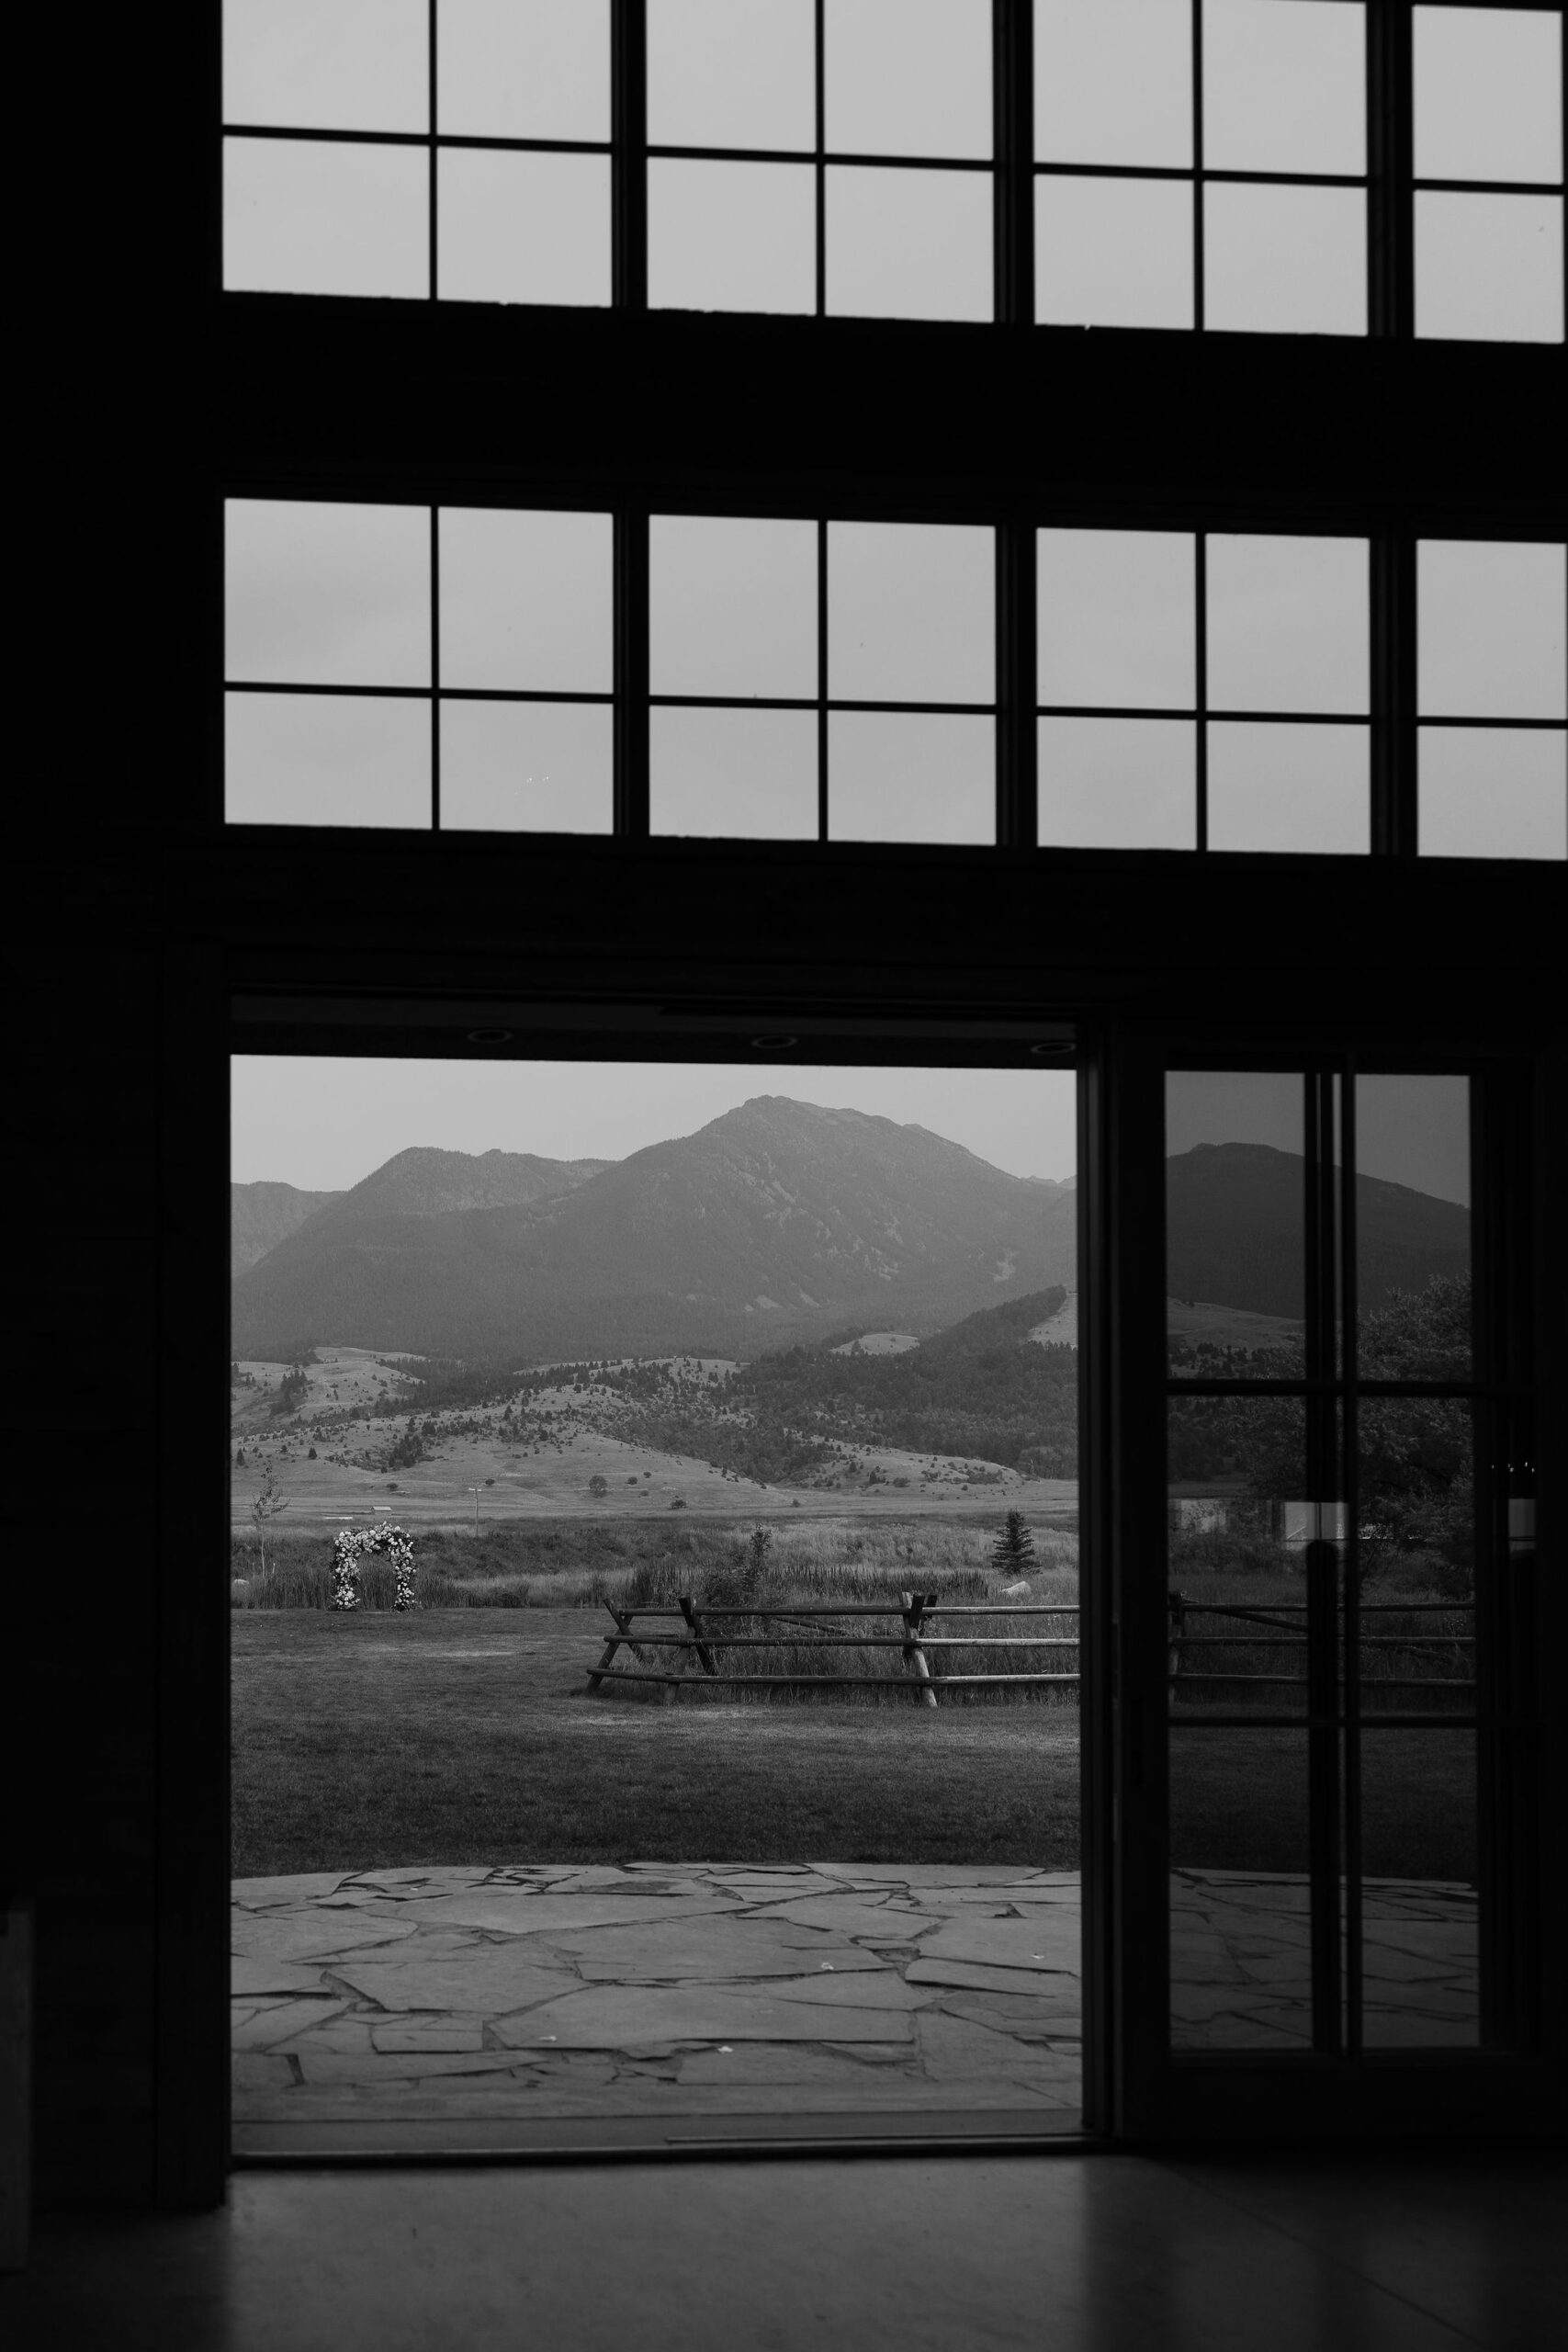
(654, 1558)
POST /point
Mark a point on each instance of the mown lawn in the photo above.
(466, 1737)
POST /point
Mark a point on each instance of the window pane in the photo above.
(1489, 269)
(1492, 629)
(731, 236)
(731, 73)
(1117, 783)
(908, 77)
(1420, 1914)
(326, 760)
(905, 244)
(910, 776)
(308, 217)
(318, 594)
(1283, 787)
(1493, 792)
(1288, 624)
(526, 600)
(743, 774)
(1488, 94)
(524, 228)
(1112, 253)
(1412, 1268)
(733, 606)
(1284, 260)
(910, 612)
(527, 767)
(1113, 82)
(327, 65)
(1234, 1241)
(524, 69)
(1117, 618)
(1284, 86)
(1240, 1925)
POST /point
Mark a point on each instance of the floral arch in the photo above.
(347, 1547)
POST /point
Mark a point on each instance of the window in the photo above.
(1201, 163)
(387, 147)
(1488, 104)
(822, 680)
(1491, 689)
(1205, 692)
(1224, 165)
(348, 704)
(820, 160)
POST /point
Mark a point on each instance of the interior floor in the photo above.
(1367, 2252)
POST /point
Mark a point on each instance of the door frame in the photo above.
(1155, 2094)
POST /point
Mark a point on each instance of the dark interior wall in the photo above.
(134, 923)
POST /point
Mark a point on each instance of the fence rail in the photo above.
(1286, 1620)
(703, 1637)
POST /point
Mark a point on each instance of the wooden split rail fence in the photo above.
(704, 1638)
(1285, 1622)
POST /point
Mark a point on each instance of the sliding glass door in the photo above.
(1327, 1733)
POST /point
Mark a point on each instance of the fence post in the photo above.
(1178, 1635)
(623, 1618)
(914, 1609)
(693, 1616)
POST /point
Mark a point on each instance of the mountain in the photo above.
(777, 1222)
(1235, 1231)
(261, 1216)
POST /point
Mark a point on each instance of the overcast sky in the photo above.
(324, 1123)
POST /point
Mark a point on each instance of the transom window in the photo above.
(1251, 165)
(836, 679)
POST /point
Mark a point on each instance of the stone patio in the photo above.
(529, 2006)
(504, 2001)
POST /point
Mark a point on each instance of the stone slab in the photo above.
(246, 1975)
(1051, 1940)
(271, 1894)
(885, 1922)
(618, 2017)
(490, 1979)
(267, 2028)
(446, 2035)
(500, 1911)
(967, 1975)
(307, 1935)
(713, 1949)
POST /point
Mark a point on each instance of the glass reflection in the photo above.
(1240, 1890)
(1413, 1227)
(1235, 1230)
(1420, 1906)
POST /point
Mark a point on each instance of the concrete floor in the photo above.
(1065, 2252)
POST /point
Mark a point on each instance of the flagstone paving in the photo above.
(523, 1997)
(560, 1993)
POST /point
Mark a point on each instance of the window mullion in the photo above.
(628, 162)
(1390, 139)
(1012, 86)
(1017, 689)
(1393, 680)
(631, 673)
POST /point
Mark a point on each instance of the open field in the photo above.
(379, 1741)
(572, 1562)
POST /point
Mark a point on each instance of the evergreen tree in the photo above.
(1013, 1552)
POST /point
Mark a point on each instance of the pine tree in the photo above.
(1013, 1552)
